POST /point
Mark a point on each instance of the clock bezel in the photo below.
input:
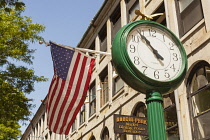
(128, 71)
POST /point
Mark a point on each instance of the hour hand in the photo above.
(155, 52)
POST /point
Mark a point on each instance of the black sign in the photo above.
(130, 125)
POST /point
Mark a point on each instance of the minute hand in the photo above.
(155, 52)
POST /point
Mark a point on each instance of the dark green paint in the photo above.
(138, 81)
(131, 75)
(156, 123)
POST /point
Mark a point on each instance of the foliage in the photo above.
(7, 5)
(16, 80)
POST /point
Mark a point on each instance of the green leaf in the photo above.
(16, 81)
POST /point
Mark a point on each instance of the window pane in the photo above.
(118, 84)
(73, 127)
(199, 80)
(92, 94)
(208, 74)
(104, 92)
(140, 111)
(201, 102)
(116, 21)
(194, 85)
(132, 10)
(173, 134)
(202, 124)
(171, 116)
(191, 9)
(92, 107)
(105, 135)
(82, 114)
(92, 99)
(103, 46)
(183, 4)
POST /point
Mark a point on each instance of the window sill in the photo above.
(82, 125)
(102, 58)
(74, 132)
(104, 106)
(92, 117)
(183, 38)
(120, 92)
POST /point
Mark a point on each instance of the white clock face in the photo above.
(153, 52)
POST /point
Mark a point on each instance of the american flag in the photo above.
(68, 89)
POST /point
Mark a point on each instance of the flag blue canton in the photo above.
(61, 60)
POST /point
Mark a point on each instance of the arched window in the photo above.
(198, 88)
(140, 111)
(105, 134)
(170, 113)
(92, 138)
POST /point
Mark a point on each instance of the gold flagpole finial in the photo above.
(143, 16)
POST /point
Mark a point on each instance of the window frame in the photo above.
(140, 110)
(105, 134)
(92, 99)
(170, 126)
(115, 19)
(189, 83)
(82, 114)
(103, 38)
(188, 10)
(104, 84)
(74, 125)
(115, 81)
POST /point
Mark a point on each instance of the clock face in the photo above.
(154, 52)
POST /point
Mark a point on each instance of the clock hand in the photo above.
(153, 50)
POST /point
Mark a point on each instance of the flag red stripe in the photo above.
(56, 102)
(68, 89)
(68, 92)
(52, 94)
(52, 90)
(58, 99)
(49, 95)
(83, 97)
(64, 123)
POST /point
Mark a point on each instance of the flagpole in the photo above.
(79, 49)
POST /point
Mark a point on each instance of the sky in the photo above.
(66, 21)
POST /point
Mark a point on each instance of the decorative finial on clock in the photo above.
(143, 16)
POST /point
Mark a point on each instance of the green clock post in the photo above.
(151, 60)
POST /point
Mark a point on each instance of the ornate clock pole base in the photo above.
(156, 123)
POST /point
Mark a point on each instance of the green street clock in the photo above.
(149, 57)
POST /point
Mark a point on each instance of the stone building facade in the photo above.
(187, 109)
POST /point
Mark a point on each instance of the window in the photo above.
(171, 116)
(187, 10)
(118, 85)
(66, 137)
(103, 41)
(132, 7)
(160, 19)
(198, 88)
(92, 138)
(92, 47)
(73, 127)
(140, 111)
(46, 136)
(105, 134)
(92, 99)
(116, 21)
(104, 86)
(82, 114)
(50, 133)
